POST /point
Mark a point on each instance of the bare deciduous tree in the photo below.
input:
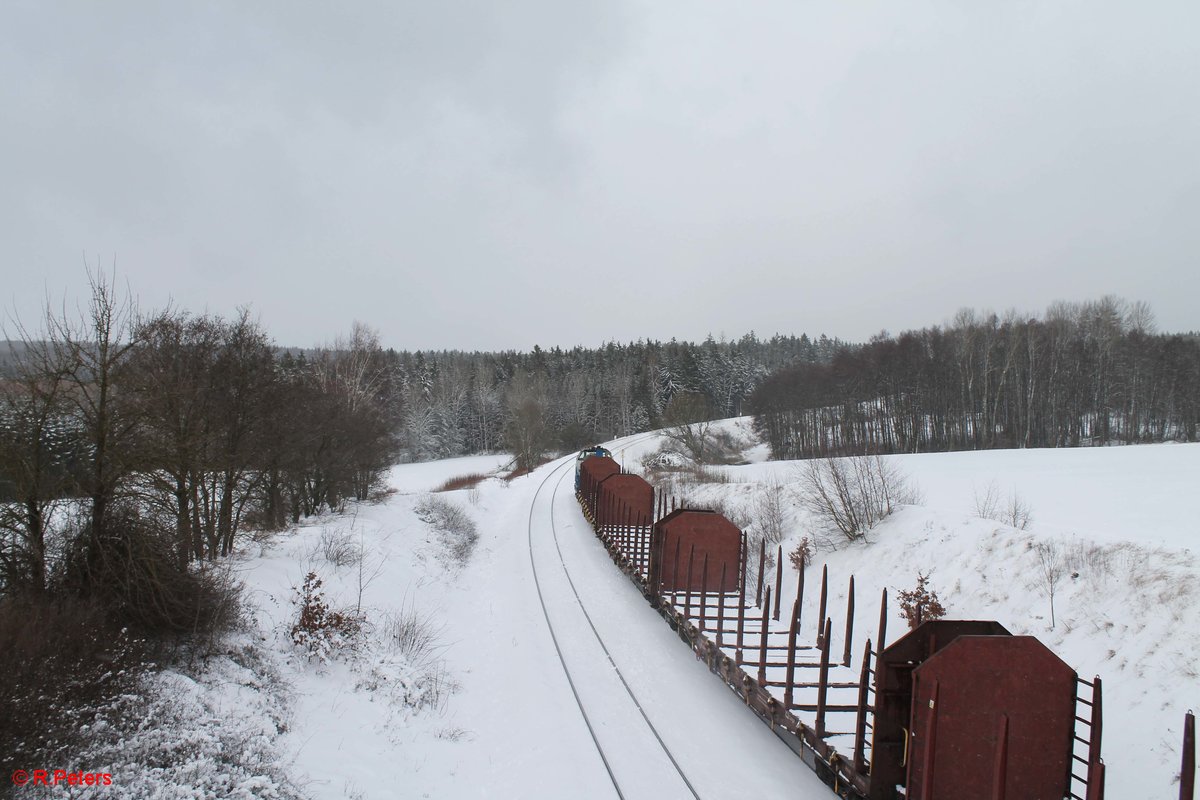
(527, 433)
(849, 496)
(91, 347)
(1050, 572)
(770, 510)
(36, 452)
(688, 417)
(991, 505)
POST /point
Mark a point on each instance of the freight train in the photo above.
(953, 709)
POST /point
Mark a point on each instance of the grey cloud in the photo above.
(482, 175)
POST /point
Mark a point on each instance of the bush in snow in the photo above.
(849, 496)
(920, 604)
(459, 534)
(990, 505)
(770, 511)
(61, 659)
(340, 547)
(801, 555)
(413, 633)
(210, 728)
(320, 631)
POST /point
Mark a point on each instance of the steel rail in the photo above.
(554, 637)
(599, 639)
(629, 690)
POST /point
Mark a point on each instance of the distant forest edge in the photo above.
(441, 404)
(1093, 373)
(1083, 374)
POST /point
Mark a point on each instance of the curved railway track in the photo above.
(621, 789)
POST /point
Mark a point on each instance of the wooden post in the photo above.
(614, 523)
(823, 681)
(1187, 768)
(1095, 789)
(1097, 722)
(762, 562)
(639, 534)
(800, 595)
(846, 656)
(824, 595)
(882, 640)
(675, 573)
(687, 603)
(778, 581)
(602, 516)
(631, 521)
(721, 607)
(860, 721)
(741, 620)
(766, 620)
(793, 633)
(704, 594)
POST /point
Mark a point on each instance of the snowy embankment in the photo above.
(454, 690)
(1121, 522)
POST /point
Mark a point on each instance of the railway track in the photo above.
(651, 735)
(627, 787)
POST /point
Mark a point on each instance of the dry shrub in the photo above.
(1012, 511)
(459, 534)
(61, 661)
(1082, 557)
(414, 634)
(920, 604)
(135, 575)
(769, 511)
(340, 547)
(849, 496)
(802, 554)
(706, 474)
(461, 482)
(320, 631)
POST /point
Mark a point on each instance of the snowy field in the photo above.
(1124, 523)
(482, 709)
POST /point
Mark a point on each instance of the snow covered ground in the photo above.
(484, 709)
(1123, 522)
(509, 726)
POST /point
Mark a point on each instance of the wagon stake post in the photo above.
(823, 681)
(793, 632)
(778, 580)
(860, 722)
(1187, 769)
(824, 597)
(847, 655)
(721, 608)
(762, 562)
(766, 621)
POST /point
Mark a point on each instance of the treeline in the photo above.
(130, 439)
(453, 403)
(133, 446)
(1090, 373)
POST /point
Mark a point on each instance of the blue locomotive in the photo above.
(584, 455)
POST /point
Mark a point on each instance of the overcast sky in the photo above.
(476, 175)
